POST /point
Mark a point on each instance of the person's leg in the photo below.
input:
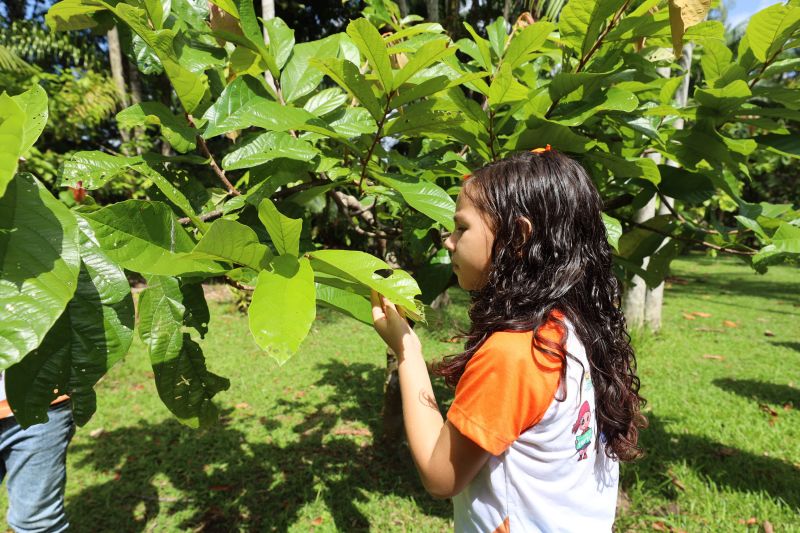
(37, 474)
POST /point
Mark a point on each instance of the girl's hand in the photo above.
(392, 326)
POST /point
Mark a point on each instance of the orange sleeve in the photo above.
(506, 388)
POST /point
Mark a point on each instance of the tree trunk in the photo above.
(15, 9)
(634, 298)
(507, 6)
(267, 12)
(654, 298)
(452, 22)
(433, 10)
(117, 73)
(403, 5)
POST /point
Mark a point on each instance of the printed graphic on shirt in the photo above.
(584, 432)
(587, 382)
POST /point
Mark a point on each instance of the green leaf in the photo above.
(196, 314)
(325, 101)
(581, 21)
(146, 237)
(39, 262)
(565, 83)
(173, 194)
(266, 147)
(191, 87)
(725, 100)
(641, 167)
(69, 15)
(497, 35)
(428, 53)
(300, 78)
(505, 89)
(284, 231)
(576, 113)
(175, 129)
(364, 269)
(613, 230)
(252, 32)
(770, 28)
(641, 242)
(244, 103)
(228, 240)
(689, 187)
(371, 45)
(484, 54)
(283, 306)
(346, 75)
(423, 195)
(347, 302)
(527, 42)
(12, 132)
(281, 40)
(33, 103)
(93, 169)
(422, 117)
(536, 133)
(716, 58)
(353, 121)
(788, 145)
(787, 239)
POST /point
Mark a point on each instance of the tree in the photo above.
(359, 146)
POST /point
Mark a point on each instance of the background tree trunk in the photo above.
(433, 10)
(403, 5)
(118, 74)
(654, 298)
(634, 297)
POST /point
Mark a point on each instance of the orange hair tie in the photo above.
(465, 177)
(540, 150)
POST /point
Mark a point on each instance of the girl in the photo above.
(546, 356)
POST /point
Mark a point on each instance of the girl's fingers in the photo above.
(377, 306)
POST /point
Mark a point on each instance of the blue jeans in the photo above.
(35, 461)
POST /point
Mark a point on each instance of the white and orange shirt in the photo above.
(547, 471)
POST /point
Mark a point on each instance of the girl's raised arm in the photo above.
(447, 460)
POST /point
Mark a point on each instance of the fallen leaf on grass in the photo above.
(730, 324)
(750, 521)
(724, 451)
(675, 481)
(317, 521)
(701, 315)
(220, 488)
(242, 405)
(688, 316)
(773, 414)
(714, 357)
(714, 330)
(96, 432)
(660, 526)
(767, 526)
(364, 432)
(788, 406)
(768, 333)
(676, 280)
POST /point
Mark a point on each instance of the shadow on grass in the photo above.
(260, 485)
(791, 345)
(761, 287)
(760, 391)
(728, 467)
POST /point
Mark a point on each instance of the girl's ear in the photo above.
(525, 228)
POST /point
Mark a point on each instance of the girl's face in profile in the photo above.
(470, 245)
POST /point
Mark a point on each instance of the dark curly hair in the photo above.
(563, 265)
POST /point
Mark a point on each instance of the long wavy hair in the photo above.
(564, 265)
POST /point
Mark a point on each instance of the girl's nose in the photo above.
(449, 244)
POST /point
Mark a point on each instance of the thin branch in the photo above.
(212, 162)
(235, 284)
(707, 244)
(763, 69)
(205, 217)
(285, 193)
(378, 136)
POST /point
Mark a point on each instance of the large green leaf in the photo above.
(615, 99)
(94, 332)
(12, 132)
(347, 76)
(191, 87)
(613, 230)
(537, 133)
(430, 52)
(788, 145)
(183, 382)
(353, 121)
(228, 240)
(325, 101)
(716, 58)
(252, 32)
(725, 100)
(173, 194)
(371, 45)
(33, 103)
(300, 78)
(175, 129)
(581, 22)
(422, 117)
(367, 270)
(505, 89)
(93, 169)
(689, 187)
(146, 237)
(770, 28)
(39, 261)
(281, 40)
(244, 103)
(527, 42)
(423, 195)
(284, 231)
(478, 48)
(347, 302)
(641, 167)
(73, 15)
(266, 147)
(283, 306)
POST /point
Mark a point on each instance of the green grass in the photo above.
(298, 446)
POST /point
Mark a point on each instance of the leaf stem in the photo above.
(212, 162)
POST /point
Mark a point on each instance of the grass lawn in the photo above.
(297, 448)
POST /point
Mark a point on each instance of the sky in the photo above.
(740, 10)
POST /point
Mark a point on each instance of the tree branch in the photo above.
(206, 217)
(707, 244)
(201, 143)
